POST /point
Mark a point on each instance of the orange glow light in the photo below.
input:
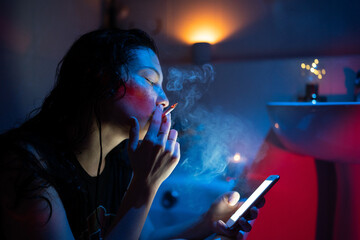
(203, 28)
(237, 157)
(204, 34)
(199, 22)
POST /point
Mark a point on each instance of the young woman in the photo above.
(69, 172)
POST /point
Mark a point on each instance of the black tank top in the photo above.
(89, 219)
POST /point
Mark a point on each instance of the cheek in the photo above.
(141, 99)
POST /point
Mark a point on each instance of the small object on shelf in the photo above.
(357, 87)
(314, 74)
(312, 94)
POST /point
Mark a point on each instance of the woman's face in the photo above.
(143, 92)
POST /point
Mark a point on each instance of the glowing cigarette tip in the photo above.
(170, 109)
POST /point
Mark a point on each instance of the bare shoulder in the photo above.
(29, 210)
(43, 217)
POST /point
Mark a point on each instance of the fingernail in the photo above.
(232, 200)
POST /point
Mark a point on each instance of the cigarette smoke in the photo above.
(189, 84)
(208, 136)
(211, 139)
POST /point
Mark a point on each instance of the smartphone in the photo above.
(257, 194)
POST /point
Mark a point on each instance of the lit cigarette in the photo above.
(169, 110)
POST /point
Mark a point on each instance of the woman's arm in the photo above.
(152, 161)
(45, 218)
(133, 212)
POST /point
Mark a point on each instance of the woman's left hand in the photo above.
(222, 209)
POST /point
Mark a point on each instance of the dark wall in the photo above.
(259, 28)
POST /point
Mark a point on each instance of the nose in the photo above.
(162, 98)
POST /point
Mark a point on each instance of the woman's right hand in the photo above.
(157, 155)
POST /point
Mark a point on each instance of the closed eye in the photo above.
(149, 81)
(150, 75)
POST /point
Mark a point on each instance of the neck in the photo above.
(89, 156)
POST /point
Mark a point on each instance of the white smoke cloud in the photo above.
(188, 84)
(208, 137)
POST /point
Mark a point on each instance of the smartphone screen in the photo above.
(257, 194)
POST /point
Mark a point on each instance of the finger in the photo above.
(174, 160)
(229, 198)
(164, 129)
(260, 203)
(133, 134)
(240, 235)
(244, 225)
(252, 213)
(173, 135)
(233, 198)
(170, 144)
(222, 228)
(176, 153)
(155, 123)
